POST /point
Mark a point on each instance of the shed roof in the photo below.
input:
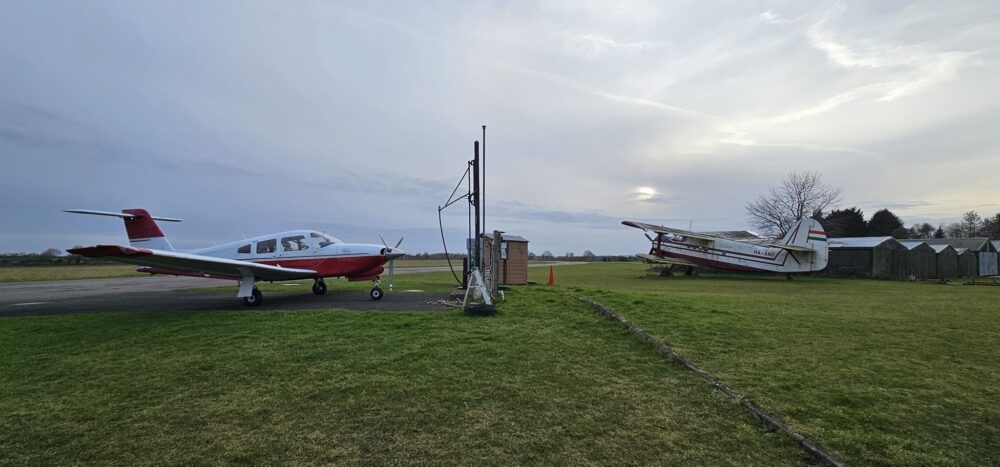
(996, 244)
(911, 244)
(940, 248)
(962, 251)
(504, 237)
(976, 244)
(859, 242)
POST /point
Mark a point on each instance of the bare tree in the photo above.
(800, 195)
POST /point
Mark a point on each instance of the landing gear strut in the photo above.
(254, 299)
(376, 292)
(319, 287)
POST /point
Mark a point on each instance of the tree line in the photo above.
(801, 195)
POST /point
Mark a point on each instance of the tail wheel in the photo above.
(254, 299)
(375, 293)
(319, 287)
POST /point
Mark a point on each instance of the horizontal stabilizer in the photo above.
(791, 247)
(119, 214)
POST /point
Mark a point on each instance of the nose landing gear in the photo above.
(376, 292)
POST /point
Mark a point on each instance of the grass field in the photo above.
(547, 381)
(879, 372)
(59, 273)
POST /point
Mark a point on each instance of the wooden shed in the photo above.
(983, 261)
(968, 262)
(922, 259)
(513, 258)
(871, 257)
(947, 261)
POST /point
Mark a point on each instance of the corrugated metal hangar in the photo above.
(888, 258)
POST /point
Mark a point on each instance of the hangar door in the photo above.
(988, 264)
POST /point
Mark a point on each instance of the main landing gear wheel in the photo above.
(375, 293)
(254, 299)
(319, 287)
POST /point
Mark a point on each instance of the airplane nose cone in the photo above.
(393, 253)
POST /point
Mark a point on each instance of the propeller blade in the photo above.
(383, 241)
(400, 242)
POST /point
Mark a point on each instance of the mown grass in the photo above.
(59, 273)
(547, 381)
(881, 372)
(107, 271)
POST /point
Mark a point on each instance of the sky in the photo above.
(357, 118)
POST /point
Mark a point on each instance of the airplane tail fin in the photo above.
(143, 232)
(809, 233)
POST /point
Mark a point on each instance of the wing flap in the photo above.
(791, 247)
(192, 263)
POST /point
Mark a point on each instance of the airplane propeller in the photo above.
(392, 257)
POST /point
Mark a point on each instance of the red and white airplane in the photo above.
(802, 249)
(292, 255)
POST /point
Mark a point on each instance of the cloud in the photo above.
(593, 45)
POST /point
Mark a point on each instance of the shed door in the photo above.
(988, 264)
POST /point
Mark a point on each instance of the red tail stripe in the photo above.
(141, 226)
(817, 232)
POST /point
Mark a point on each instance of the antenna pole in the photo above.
(484, 178)
(476, 205)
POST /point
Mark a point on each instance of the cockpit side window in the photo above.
(294, 243)
(267, 246)
(245, 249)
(323, 239)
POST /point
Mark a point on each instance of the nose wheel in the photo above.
(376, 292)
(319, 287)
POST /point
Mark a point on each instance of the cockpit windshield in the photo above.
(323, 239)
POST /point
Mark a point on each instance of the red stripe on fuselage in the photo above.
(354, 267)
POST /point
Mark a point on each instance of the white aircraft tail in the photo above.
(140, 226)
(809, 233)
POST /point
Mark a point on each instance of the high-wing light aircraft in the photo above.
(292, 255)
(802, 249)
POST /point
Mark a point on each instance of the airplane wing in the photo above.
(193, 263)
(669, 230)
(662, 260)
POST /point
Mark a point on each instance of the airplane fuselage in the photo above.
(299, 249)
(736, 255)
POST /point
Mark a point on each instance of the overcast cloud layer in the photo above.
(245, 118)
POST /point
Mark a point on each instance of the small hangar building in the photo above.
(983, 259)
(869, 257)
(947, 261)
(922, 259)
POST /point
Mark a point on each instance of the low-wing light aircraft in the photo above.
(802, 249)
(292, 255)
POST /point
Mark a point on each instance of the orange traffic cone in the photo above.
(552, 276)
